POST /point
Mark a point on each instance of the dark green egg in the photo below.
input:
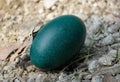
(58, 42)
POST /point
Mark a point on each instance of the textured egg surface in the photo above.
(57, 42)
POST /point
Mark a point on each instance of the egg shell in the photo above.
(57, 42)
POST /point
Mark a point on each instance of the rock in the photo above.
(99, 37)
(114, 28)
(17, 60)
(106, 60)
(32, 75)
(108, 40)
(93, 66)
(24, 56)
(89, 76)
(75, 80)
(50, 16)
(6, 80)
(117, 77)
(86, 81)
(87, 42)
(7, 67)
(61, 76)
(49, 3)
(30, 68)
(119, 51)
(1, 77)
(116, 45)
(40, 78)
(95, 26)
(109, 78)
(113, 53)
(97, 79)
(6, 76)
(31, 80)
(64, 78)
(17, 80)
(116, 36)
(41, 11)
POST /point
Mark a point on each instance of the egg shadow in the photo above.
(76, 63)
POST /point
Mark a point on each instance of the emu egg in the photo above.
(57, 42)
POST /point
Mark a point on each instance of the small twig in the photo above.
(74, 62)
(91, 45)
(113, 69)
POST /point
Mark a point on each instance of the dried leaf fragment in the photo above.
(5, 51)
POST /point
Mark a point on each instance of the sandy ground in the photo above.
(21, 19)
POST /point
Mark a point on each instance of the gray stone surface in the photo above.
(93, 66)
(18, 18)
(97, 79)
(31, 80)
(17, 80)
(106, 60)
(108, 40)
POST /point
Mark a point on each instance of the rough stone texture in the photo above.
(108, 40)
(97, 79)
(106, 60)
(113, 53)
(31, 80)
(117, 77)
(93, 66)
(19, 17)
(16, 80)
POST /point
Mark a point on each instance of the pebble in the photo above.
(108, 40)
(76, 80)
(41, 11)
(87, 42)
(116, 35)
(30, 68)
(85, 81)
(50, 16)
(40, 78)
(61, 76)
(114, 28)
(31, 80)
(116, 45)
(113, 53)
(24, 56)
(106, 60)
(89, 76)
(17, 80)
(6, 67)
(101, 36)
(49, 3)
(119, 51)
(1, 77)
(95, 27)
(6, 76)
(97, 79)
(117, 77)
(6, 80)
(32, 75)
(93, 66)
(17, 60)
